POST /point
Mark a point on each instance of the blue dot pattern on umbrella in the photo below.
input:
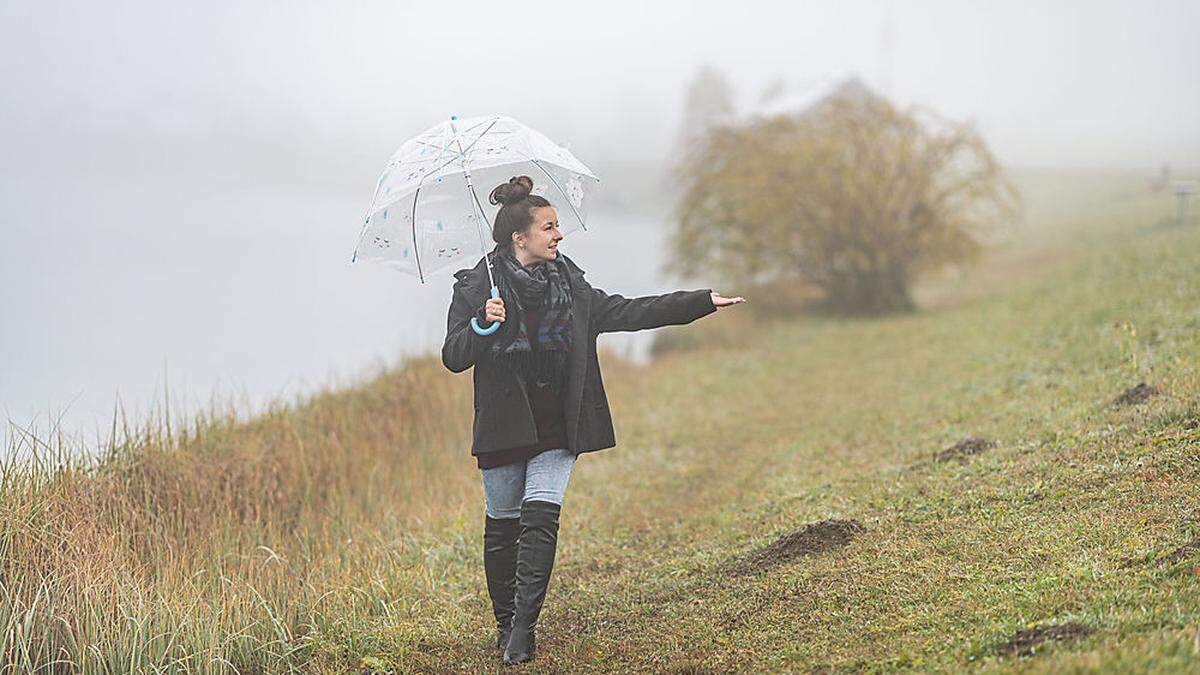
(440, 227)
(405, 251)
(385, 214)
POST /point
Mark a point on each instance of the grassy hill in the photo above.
(982, 486)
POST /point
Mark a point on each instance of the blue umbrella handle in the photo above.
(495, 324)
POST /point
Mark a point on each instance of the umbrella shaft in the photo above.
(480, 217)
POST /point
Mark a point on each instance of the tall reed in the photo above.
(212, 547)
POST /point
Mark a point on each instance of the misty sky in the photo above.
(339, 85)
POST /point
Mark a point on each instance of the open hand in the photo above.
(719, 301)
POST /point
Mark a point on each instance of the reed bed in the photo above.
(224, 545)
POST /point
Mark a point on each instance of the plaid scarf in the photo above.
(544, 286)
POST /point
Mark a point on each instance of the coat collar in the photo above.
(475, 279)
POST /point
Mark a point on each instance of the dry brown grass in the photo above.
(230, 525)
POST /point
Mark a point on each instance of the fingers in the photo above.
(721, 301)
(494, 310)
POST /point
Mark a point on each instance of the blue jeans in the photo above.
(543, 477)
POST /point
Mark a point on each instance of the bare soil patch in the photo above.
(1187, 550)
(963, 450)
(1139, 393)
(1180, 553)
(813, 538)
(1024, 641)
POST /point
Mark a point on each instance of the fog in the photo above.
(1105, 83)
(183, 183)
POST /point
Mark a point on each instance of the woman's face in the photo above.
(540, 239)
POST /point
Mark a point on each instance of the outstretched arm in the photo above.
(617, 313)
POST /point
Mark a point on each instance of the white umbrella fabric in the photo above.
(427, 212)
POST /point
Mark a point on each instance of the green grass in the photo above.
(366, 554)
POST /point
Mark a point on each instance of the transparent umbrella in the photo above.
(427, 213)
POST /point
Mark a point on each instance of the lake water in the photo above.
(114, 287)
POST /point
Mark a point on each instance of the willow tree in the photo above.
(854, 196)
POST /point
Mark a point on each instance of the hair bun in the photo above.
(516, 189)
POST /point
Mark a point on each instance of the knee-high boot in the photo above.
(535, 560)
(500, 567)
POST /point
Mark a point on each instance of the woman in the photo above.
(539, 398)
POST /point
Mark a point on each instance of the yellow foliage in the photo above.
(854, 197)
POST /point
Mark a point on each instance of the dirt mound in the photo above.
(964, 449)
(1024, 641)
(1180, 553)
(811, 539)
(1134, 395)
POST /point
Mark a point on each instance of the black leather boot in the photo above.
(535, 560)
(500, 567)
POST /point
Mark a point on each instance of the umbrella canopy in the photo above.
(430, 208)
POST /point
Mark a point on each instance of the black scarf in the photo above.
(544, 286)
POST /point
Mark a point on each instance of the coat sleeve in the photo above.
(617, 313)
(463, 346)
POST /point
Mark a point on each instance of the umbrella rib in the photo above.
(471, 190)
(416, 249)
(560, 191)
(479, 230)
(367, 221)
(480, 123)
(496, 133)
(464, 155)
(462, 150)
(430, 145)
(416, 195)
(421, 141)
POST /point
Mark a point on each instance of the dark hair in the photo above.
(517, 213)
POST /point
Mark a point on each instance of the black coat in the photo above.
(503, 418)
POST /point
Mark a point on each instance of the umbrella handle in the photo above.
(495, 324)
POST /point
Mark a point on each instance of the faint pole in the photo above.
(886, 51)
(1184, 189)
